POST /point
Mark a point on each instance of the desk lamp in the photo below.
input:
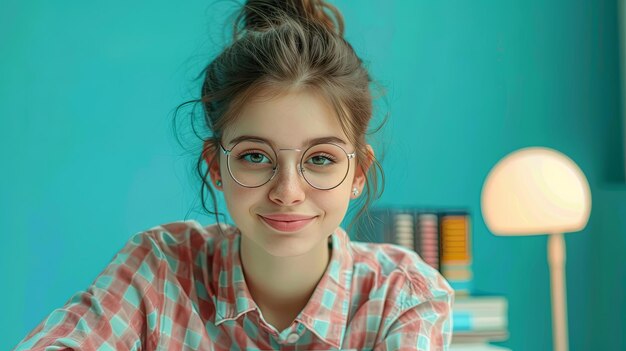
(535, 191)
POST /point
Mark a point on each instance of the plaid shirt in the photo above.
(181, 286)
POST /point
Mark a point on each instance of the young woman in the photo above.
(287, 105)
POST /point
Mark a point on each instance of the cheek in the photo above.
(334, 201)
(341, 194)
(238, 199)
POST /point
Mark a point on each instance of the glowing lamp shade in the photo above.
(534, 191)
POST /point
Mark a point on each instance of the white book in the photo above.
(481, 305)
(476, 347)
(474, 323)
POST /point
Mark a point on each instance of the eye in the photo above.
(321, 160)
(254, 157)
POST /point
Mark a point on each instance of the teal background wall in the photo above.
(87, 92)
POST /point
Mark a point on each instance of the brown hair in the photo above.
(278, 46)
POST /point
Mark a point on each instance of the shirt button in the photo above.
(293, 337)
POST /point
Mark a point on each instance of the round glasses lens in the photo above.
(325, 166)
(251, 163)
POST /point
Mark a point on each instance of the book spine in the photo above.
(456, 251)
(403, 230)
(469, 322)
(482, 306)
(427, 238)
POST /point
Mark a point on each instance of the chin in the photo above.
(294, 244)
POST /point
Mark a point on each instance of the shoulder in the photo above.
(399, 273)
(178, 241)
(183, 231)
(413, 298)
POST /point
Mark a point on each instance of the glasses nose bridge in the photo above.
(297, 160)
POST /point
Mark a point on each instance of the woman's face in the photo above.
(288, 122)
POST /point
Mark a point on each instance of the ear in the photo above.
(361, 171)
(211, 155)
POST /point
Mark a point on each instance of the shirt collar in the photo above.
(325, 314)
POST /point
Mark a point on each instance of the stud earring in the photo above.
(355, 191)
(218, 182)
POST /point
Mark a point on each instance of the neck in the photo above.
(284, 283)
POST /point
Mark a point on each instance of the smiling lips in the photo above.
(287, 222)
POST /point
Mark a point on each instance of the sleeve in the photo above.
(117, 312)
(426, 326)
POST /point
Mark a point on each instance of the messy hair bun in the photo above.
(261, 15)
(278, 46)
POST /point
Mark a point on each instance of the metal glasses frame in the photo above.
(300, 169)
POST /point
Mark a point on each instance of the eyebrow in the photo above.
(308, 142)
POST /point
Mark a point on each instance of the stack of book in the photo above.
(479, 320)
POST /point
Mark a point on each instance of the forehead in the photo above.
(291, 119)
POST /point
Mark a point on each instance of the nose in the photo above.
(287, 188)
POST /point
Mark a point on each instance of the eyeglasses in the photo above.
(253, 163)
